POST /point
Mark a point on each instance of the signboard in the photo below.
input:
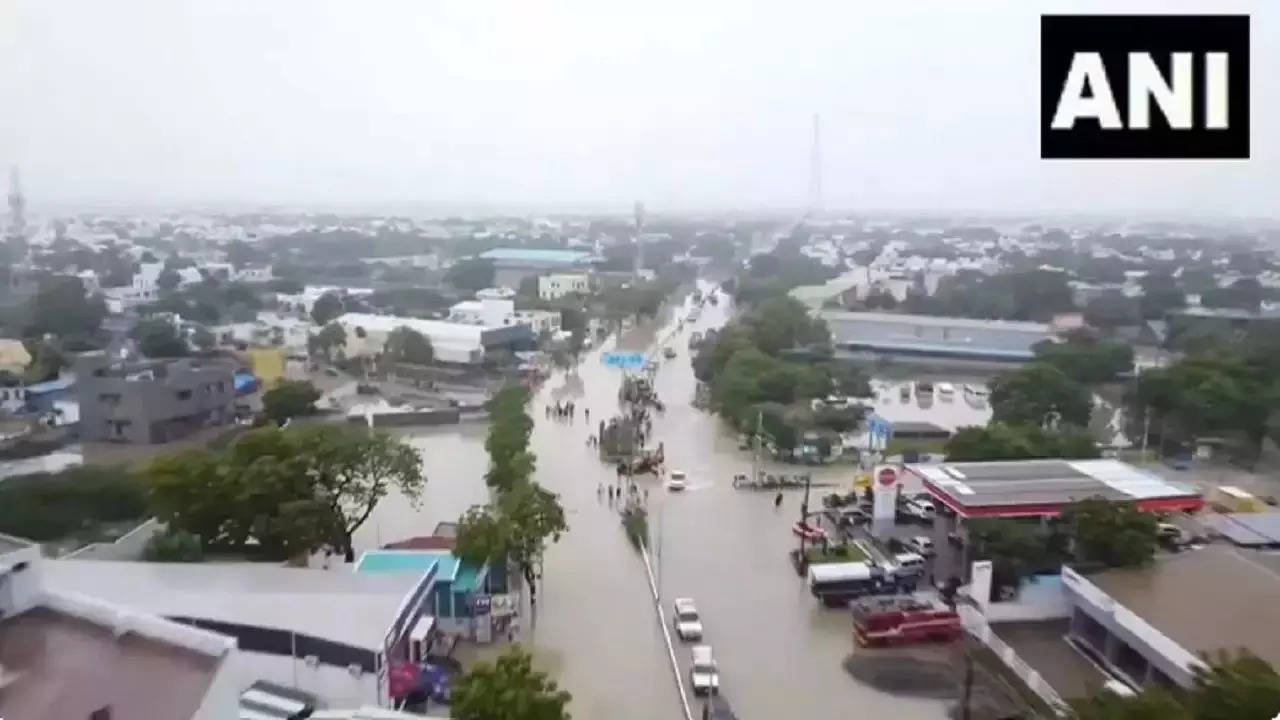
(481, 604)
(625, 360)
(887, 476)
(879, 432)
(980, 584)
(504, 605)
(884, 508)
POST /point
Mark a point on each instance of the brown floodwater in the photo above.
(780, 652)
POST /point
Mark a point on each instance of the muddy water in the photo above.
(780, 653)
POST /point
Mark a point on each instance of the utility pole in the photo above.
(639, 212)
(815, 168)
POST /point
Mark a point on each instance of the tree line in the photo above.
(512, 529)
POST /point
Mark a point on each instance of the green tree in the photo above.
(472, 274)
(326, 309)
(293, 490)
(157, 338)
(330, 338)
(289, 399)
(1039, 394)
(999, 441)
(1116, 534)
(1111, 310)
(507, 442)
(1218, 394)
(168, 279)
(1013, 547)
(173, 547)
(60, 307)
(406, 345)
(353, 470)
(204, 339)
(514, 529)
(47, 361)
(1085, 358)
(1236, 687)
(508, 688)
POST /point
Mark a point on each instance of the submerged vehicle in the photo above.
(903, 621)
(742, 481)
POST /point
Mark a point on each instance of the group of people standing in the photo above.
(566, 410)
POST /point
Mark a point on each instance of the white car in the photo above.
(703, 673)
(678, 481)
(921, 545)
(688, 624)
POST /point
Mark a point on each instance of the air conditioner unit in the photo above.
(312, 661)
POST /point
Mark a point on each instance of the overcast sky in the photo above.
(576, 104)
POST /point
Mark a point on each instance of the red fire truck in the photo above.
(903, 620)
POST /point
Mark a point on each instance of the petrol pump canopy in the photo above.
(1046, 487)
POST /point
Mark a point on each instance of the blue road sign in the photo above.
(625, 360)
(879, 431)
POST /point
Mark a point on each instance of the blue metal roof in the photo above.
(568, 257)
(61, 383)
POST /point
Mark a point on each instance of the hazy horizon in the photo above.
(576, 106)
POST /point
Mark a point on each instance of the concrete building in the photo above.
(515, 264)
(453, 342)
(199, 641)
(934, 337)
(1150, 625)
(493, 307)
(152, 401)
(69, 655)
(540, 320)
(557, 285)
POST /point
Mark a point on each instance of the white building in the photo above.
(69, 655)
(540, 320)
(144, 281)
(557, 285)
(452, 342)
(253, 273)
(493, 307)
(120, 299)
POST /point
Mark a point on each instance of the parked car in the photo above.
(920, 544)
(688, 623)
(850, 517)
(703, 673)
(678, 481)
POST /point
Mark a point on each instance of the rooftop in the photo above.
(566, 257)
(1204, 600)
(67, 667)
(435, 330)
(1248, 529)
(296, 599)
(934, 334)
(1040, 487)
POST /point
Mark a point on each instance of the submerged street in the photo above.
(779, 651)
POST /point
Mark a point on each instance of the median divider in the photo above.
(666, 635)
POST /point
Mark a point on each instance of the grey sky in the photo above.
(572, 104)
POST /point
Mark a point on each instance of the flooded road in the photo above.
(779, 651)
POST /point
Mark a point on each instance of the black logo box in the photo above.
(1114, 37)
